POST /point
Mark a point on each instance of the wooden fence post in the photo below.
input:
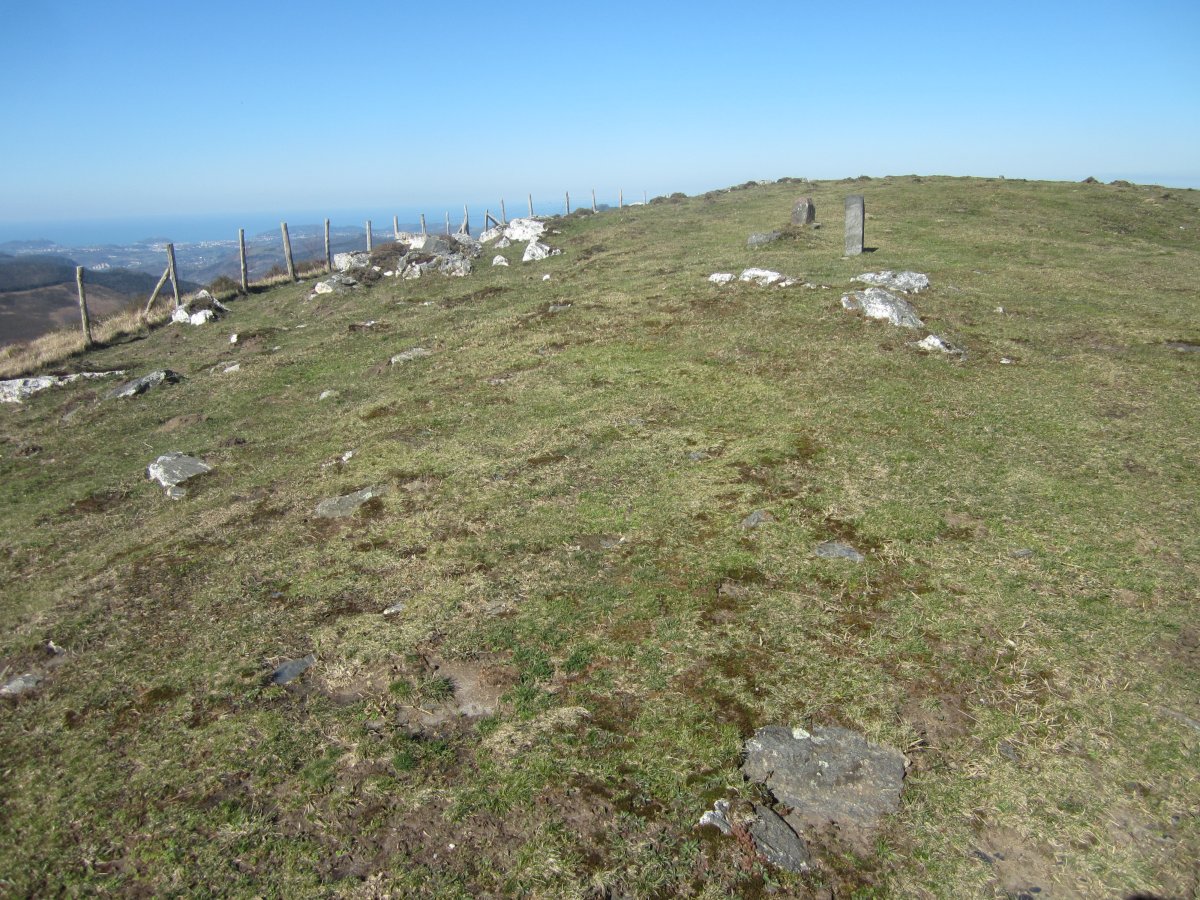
(423, 231)
(174, 274)
(83, 310)
(157, 288)
(466, 225)
(395, 228)
(447, 222)
(593, 199)
(503, 215)
(328, 254)
(568, 193)
(287, 251)
(370, 240)
(531, 206)
(620, 199)
(242, 256)
(644, 201)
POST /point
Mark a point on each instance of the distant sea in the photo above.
(224, 227)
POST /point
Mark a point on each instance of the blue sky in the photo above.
(129, 108)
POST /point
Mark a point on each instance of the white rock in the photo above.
(524, 229)
(876, 303)
(357, 259)
(536, 250)
(172, 469)
(546, 277)
(721, 277)
(17, 389)
(388, 274)
(410, 355)
(199, 318)
(229, 370)
(180, 315)
(233, 339)
(491, 234)
(325, 395)
(323, 287)
(905, 282)
(499, 260)
(763, 277)
(935, 344)
(503, 243)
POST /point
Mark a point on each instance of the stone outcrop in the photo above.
(876, 303)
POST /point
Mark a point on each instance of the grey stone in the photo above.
(456, 266)
(143, 384)
(718, 818)
(932, 343)
(16, 390)
(777, 842)
(536, 250)
(837, 550)
(905, 282)
(762, 238)
(1184, 346)
(21, 685)
(357, 259)
(757, 518)
(876, 303)
(292, 669)
(855, 217)
(346, 505)
(410, 355)
(832, 775)
(804, 212)
(173, 469)
(1023, 553)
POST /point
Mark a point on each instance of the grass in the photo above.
(564, 493)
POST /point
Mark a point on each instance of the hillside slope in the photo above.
(537, 653)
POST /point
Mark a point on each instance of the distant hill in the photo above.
(38, 293)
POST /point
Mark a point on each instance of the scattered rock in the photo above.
(145, 383)
(804, 211)
(21, 685)
(337, 283)
(499, 260)
(526, 229)
(172, 469)
(718, 818)
(536, 251)
(757, 518)
(410, 355)
(546, 277)
(1022, 553)
(346, 505)
(558, 307)
(837, 550)
(395, 609)
(762, 238)
(765, 278)
(721, 277)
(905, 282)
(1184, 346)
(328, 395)
(503, 243)
(229, 370)
(934, 344)
(292, 669)
(832, 775)
(876, 303)
(456, 266)
(357, 259)
(17, 389)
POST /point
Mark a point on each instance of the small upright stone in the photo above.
(855, 216)
(804, 212)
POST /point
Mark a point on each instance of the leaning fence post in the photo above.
(287, 251)
(174, 274)
(83, 310)
(157, 288)
(242, 259)
(328, 255)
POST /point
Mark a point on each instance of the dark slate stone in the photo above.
(143, 384)
(757, 518)
(855, 217)
(804, 212)
(292, 669)
(830, 775)
(777, 842)
(762, 238)
(837, 550)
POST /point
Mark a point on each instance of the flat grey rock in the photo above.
(145, 383)
(876, 303)
(905, 282)
(173, 469)
(21, 685)
(1184, 346)
(831, 775)
(762, 238)
(346, 505)
(757, 518)
(837, 550)
(15, 390)
(291, 669)
(357, 259)
(933, 343)
(777, 842)
(410, 355)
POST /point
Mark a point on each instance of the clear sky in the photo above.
(135, 108)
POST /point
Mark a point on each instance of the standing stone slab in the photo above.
(804, 212)
(855, 217)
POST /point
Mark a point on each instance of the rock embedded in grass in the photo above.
(145, 383)
(932, 343)
(905, 282)
(837, 550)
(173, 469)
(347, 504)
(762, 238)
(410, 355)
(876, 303)
(291, 669)
(21, 685)
(15, 390)
(536, 251)
(757, 518)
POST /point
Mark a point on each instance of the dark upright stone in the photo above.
(855, 215)
(804, 212)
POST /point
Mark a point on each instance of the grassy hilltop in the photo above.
(560, 538)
